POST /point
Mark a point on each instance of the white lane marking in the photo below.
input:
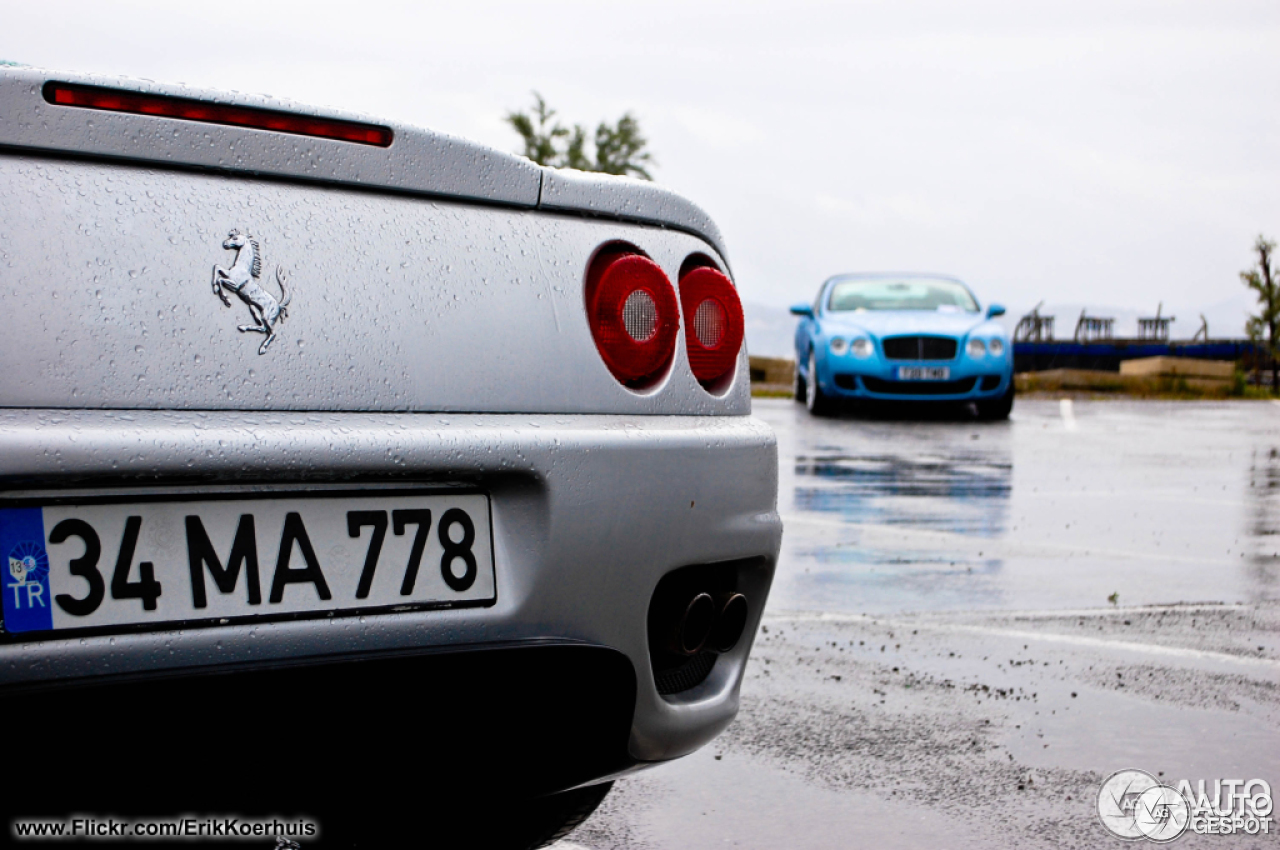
(1068, 413)
(1018, 634)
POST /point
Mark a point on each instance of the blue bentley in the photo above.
(902, 337)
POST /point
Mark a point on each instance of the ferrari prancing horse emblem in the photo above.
(242, 279)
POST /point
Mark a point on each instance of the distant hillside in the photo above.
(770, 330)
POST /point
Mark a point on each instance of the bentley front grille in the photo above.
(919, 348)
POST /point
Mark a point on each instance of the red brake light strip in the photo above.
(184, 109)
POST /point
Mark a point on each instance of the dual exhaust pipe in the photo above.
(706, 622)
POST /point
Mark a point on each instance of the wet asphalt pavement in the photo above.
(943, 662)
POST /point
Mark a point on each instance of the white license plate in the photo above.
(924, 373)
(110, 564)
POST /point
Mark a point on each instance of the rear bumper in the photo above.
(589, 512)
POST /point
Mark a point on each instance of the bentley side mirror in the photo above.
(995, 310)
(803, 310)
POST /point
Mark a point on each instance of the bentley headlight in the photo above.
(862, 347)
(976, 348)
(838, 345)
(996, 347)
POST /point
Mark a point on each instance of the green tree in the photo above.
(539, 139)
(1264, 327)
(621, 149)
(575, 152)
(618, 148)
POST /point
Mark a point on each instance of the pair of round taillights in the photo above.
(635, 318)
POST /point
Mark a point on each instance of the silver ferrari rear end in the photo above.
(347, 467)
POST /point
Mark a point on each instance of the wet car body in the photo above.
(250, 360)
(917, 352)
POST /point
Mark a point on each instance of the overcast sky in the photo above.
(1106, 153)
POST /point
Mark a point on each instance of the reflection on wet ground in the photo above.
(966, 493)
(1062, 506)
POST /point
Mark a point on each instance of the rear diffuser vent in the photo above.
(688, 675)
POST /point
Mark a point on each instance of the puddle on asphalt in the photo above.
(882, 580)
(738, 801)
(1110, 731)
(1154, 502)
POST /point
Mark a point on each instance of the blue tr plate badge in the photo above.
(26, 576)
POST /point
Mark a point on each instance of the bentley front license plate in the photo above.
(924, 373)
(102, 565)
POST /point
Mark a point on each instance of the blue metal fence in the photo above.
(1108, 354)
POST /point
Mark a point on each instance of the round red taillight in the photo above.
(634, 317)
(713, 323)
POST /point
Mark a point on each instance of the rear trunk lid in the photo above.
(429, 275)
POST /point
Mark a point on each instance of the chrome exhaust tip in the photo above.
(731, 621)
(690, 631)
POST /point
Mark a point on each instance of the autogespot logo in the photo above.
(1132, 804)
